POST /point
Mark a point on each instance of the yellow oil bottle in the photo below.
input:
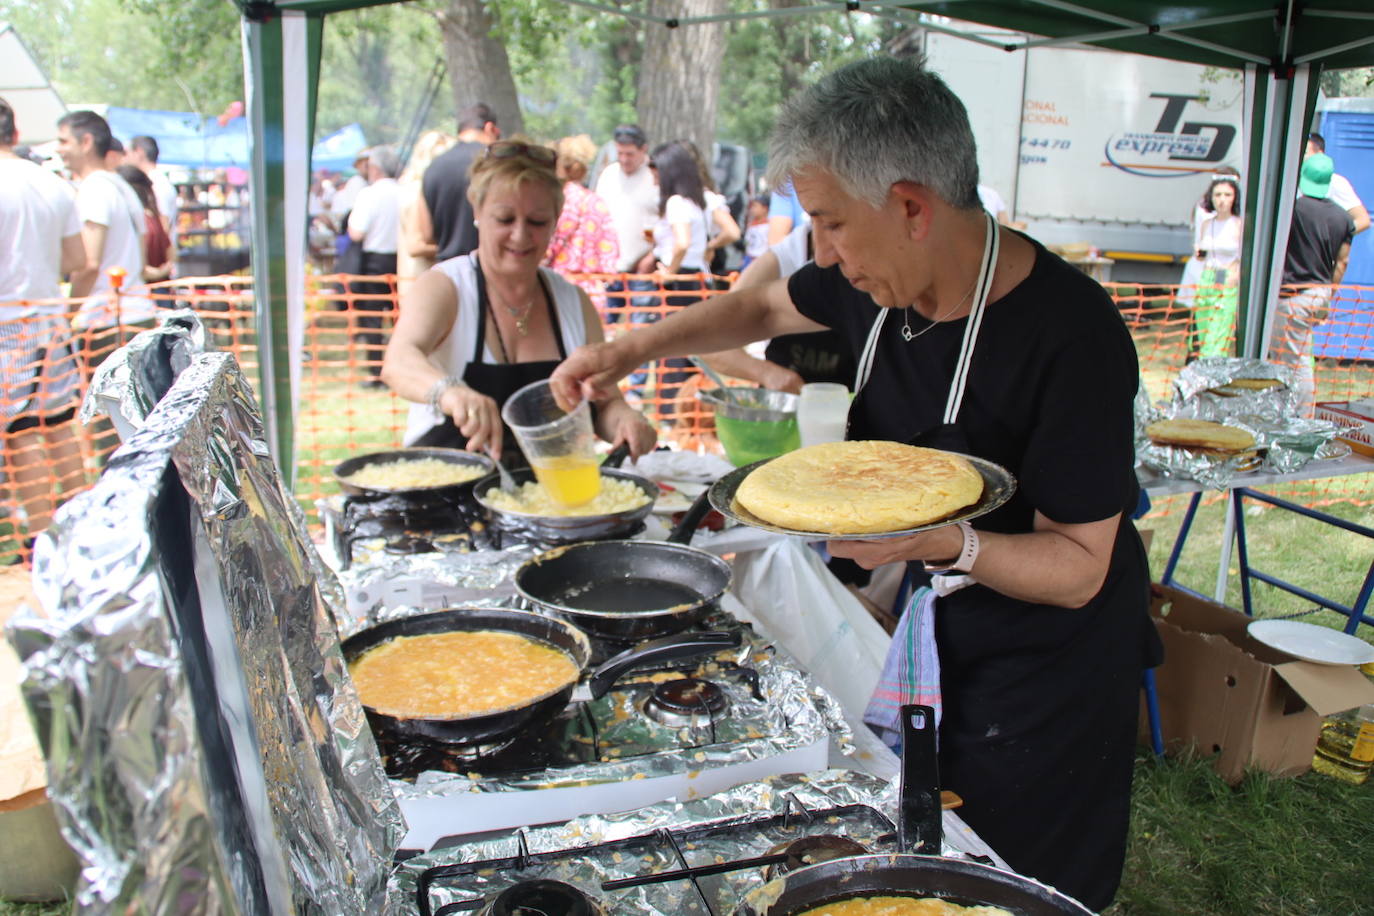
(1345, 749)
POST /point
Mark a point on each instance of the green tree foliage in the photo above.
(373, 69)
(136, 53)
(1357, 82)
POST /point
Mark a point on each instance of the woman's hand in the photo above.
(780, 378)
(476, 416)
(622, 423)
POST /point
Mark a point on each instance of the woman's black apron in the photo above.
(497, 381)
(1054, 803)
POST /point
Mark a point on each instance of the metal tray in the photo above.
(998, 486)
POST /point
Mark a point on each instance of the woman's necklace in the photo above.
(908, 335)
(521, 315)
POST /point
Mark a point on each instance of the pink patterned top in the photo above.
(584, 240)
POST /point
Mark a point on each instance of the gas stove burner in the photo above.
(811, 850)
(408, 545)
(542, 898)
(687, 701)
(407, 760)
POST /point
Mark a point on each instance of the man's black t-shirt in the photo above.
(1319, 229)
(1039, 701)
(445, 187)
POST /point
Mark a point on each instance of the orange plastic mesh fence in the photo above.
(344, 410)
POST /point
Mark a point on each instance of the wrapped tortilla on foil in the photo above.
(1208, 468)
(1223, 390)
(1227, 386)
(206, 750)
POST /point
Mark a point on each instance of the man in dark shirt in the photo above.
(443, 214)
(1318, 252)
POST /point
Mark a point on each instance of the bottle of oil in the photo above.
(1345, 749)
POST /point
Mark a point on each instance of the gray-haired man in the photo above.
(970, 337)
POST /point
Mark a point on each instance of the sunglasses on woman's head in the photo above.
(509, 149)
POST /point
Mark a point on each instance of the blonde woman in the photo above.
(476, 328)
(415, 255)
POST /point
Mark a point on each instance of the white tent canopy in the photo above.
(25, 86)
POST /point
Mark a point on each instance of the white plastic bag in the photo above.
(814, 617)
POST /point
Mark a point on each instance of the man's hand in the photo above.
(592, 372)
(931, 546)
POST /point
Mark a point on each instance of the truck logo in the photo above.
(1166, 151)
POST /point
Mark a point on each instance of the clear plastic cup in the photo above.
(559, 445)
(822, 412)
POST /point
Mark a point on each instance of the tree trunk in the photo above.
(679, 76)
(478, 68)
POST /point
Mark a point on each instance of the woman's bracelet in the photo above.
(436, 391)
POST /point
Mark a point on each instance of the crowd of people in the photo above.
(108, 219)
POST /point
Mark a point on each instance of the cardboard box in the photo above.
(1356, 419)
(1229, 695)
(35, 861)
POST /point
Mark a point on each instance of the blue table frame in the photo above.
(1234, 532)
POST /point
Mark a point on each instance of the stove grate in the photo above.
(660, 857)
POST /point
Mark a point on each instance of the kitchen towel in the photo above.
(911, 671)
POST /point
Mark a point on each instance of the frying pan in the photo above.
(906, 874)
(492, 726)
(571, 529)
(629, 590)
(353, 465)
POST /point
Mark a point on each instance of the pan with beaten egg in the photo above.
(468, 676)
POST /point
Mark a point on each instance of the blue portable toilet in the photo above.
(1347, 125)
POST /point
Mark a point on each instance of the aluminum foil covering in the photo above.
(821, 790)
(429, 580)
(135, 376)
(1284, 439)
(206, 750)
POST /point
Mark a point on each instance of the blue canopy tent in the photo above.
(191, 140)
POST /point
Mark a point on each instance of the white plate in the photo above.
(1312, 643)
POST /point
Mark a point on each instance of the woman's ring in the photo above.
(472, 412)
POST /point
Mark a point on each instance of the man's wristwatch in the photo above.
(967, 555)
(436, 391)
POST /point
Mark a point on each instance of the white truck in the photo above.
(1095, 148)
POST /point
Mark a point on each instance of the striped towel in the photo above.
(911, 672)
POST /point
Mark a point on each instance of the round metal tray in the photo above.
(998, 486)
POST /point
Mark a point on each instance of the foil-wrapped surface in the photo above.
(814, 792)
(136, 376)
(429, 580)
(206, 750)
(1204, 390)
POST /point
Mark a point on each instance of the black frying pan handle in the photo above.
(919, 827)
(683, 530)
(617, 456)
(665, 649)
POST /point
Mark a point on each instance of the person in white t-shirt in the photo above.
(40, 241)
(112, 224)
(1342, 192)
(374, 224)
(628, 187)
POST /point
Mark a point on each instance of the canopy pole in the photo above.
(262, 52)
(281, 116)
(1279, 110)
